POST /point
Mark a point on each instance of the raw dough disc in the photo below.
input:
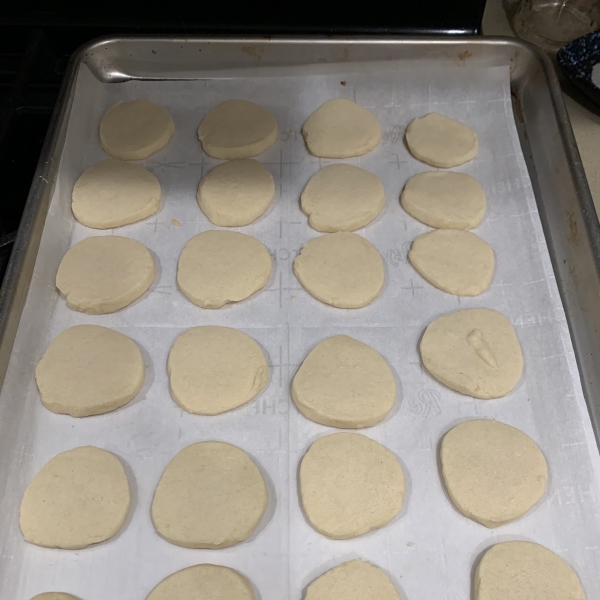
(135, 130)
(54, 596)
(236, 193)
(203, 582)
(237, 129)
(475, 352)
(455, 261)
(217, 267)
(114, 193)
(344, 383)
(349, 485)
(493, 472)
(80, 497)
(210, 496)
(340, 128)
(525, 571)
(446, 200)
(342, 198)
(440, 141)
(340, 269)
(215, 369)
(103, 274)
(353, 580)
(89, 370)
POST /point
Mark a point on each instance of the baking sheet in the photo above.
(430, 549)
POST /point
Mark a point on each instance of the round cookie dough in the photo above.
(217, 267)
(340, 128)
(340, 269)
(89, 370)
(215, 369)
(342, 198)
(493, 472)
(349, 485)
(54, 596)
(475, 352)
(203, 582)
(525, 571)
(236, 193)
(455, 261)
(114, 193)
(344, 383)
(210, 496)
(103, 274)
(237, 129)
(446, 200)
(353, 580)
(440, 141)
(80, 497)
(135, 130)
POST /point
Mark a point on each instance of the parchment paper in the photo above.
(430, 550)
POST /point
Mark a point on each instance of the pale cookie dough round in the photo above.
(80, 497)
(89, 370)
(340, 128)
(525, 571)
(114, 193)
(217, 267)
(103, 274)
(344, 383)
(493, 472)
(203, 582)
(349, 485)
(475, 352)
(236, 193)
(54, 596)
(453, 260)
(134, 130)
(353, 580)
(440, 141)
(215, 369)
(445, 200)
(237, 129)
(342, 198)
(210, 496)
(340, 269)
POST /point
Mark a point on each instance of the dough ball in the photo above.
(340, 128)
(114, 193)
(342, 198)
(80, 497)
(203, 582)
(215, 369)
(54, 596)
(340, 269)
(89, 370)
(493, 472)
(353, 580)
(440, 141)
(236, 193)
(103, 274)
(475, 352)
(237, 129)
(455, 261)
(525, 571)
(135, 130)
(210, 496)
(349, 485)
(344, 383)
(446, 200)
(217, 267)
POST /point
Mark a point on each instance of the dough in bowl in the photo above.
(54, 596)
(114, 193)
(474, 351)
(493, 472)
(89, 370)
(104, 274)
(134, 130)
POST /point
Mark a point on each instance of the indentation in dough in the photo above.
(476, 341)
